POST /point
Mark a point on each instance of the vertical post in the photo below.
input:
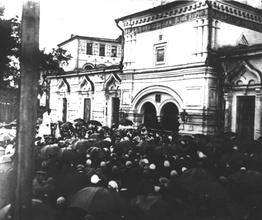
(228, 111)
(258, 114)
(27, 109)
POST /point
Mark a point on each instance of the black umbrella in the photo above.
(201, 182)
(79, 122)
(103, 144)
(96, 152)
(123, 146)
(252, 178)
(94, 122)
(96, 136)
(125, 122)
(39, 211)
(81, 145)
(234, 157)
(100, 200)
(106, 128)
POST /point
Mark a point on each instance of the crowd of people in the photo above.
(84, 170)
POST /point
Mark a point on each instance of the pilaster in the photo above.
(228, 111)
(258, 113)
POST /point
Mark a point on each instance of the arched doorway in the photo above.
(170, 117)
(150, 119)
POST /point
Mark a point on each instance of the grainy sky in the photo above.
(95, 18)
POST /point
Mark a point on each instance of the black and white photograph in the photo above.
(130, 109)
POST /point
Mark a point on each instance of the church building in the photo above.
(192, 66)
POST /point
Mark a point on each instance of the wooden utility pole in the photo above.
(21, 208)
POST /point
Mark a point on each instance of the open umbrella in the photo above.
(125, 122)
(79, 122)
(256, 160)
(186, 138)
(123, 146)
(252, 178)
(234, 157)
(96, 136)
(153, 206)
(81, 145)
(200, 140)
(40, 211)
(50, 150)
(176, 147)
(144, 202)
(94, 122)
(201, 182)
(95, 199)
(146, 144)
(103, 144)
(66, 154)
(106, 128)
(96, 152)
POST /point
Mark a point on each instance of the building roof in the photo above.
(175, 3)
(155, 9)
(239, 50)
(107, 40)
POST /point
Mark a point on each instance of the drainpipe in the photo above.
(122, 45)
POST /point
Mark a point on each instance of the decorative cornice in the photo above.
(243, 17)
(167, 18)
(164, 17)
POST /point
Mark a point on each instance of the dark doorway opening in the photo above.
(245, 116)
(170, 117)
(150, 119)
(115, 110)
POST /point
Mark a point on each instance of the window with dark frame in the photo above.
(113, 51)
(160, 54)
(102, 50)
(89, 48)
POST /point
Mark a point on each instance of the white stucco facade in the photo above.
(174, 57)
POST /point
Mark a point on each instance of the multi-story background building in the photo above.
(203, 57)
(90, 84)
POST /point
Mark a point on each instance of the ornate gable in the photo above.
(243, 74)
(112, 83)
(63, 86)
(85, 85)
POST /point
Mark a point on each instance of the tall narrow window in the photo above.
(89, 48)
(113, 51)
(101, 50)
(160, 54)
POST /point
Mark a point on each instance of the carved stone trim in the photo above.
(220, 11)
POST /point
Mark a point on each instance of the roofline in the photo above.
(239, 51)
(176, 3)
(155, 9)
(85, 72)
(108, 40)
(242, 5)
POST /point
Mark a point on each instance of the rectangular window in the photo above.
(113, 51)
(89, 48)
(160, 54)
(101, 50)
